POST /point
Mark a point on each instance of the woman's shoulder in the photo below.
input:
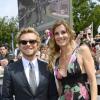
(84, 50)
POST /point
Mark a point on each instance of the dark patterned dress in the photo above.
(75, 84)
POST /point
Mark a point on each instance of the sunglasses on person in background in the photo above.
(24, 42)
(89, 33)
(62, 32)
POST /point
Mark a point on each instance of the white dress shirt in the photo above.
(27, 67)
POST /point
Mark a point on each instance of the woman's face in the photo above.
(61, 36)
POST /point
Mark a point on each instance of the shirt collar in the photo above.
(26, 62)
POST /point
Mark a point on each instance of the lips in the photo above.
(61, 40)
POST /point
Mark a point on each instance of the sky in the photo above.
(9, 8)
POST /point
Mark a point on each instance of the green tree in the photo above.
(84, 13)
(96, 18)
(7, 26)
(81, 14)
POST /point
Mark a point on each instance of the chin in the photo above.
(63, 44)
(29, 54)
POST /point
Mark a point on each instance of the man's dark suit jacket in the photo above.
(15, 83)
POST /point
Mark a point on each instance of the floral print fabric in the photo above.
(77, 92)
(75, 85)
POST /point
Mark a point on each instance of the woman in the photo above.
(73, 65)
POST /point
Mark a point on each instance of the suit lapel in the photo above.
(42, 74)
(23, 79)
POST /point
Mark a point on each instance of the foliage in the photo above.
(96, 17)
(7, 27)
(84, 13)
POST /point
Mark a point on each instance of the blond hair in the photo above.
(28, 30)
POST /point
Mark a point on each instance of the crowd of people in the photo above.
(58, 66)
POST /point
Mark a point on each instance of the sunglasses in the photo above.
(89, 33)
(62, 32)
(24, 42)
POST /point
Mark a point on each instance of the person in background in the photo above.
(93, 53)
(3, 63)
(4, 52)
(17, 51)
(79, 38)
(73, 65)
(19, 81)
(44, 51)
(4, 57)
(46, 37)
(97, 56)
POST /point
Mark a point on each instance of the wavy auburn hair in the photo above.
(54, 48)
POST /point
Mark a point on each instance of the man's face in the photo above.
(28, 45)
(3, 51)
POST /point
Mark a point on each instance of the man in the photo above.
(3, 57)
(3, 62)
(3, 51)
(17, 82)
(46, 37)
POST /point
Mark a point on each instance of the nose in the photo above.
(28, 43)
(60, 34)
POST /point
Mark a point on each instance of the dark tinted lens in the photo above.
(89, 33)
(24, 42)
(32, 41)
